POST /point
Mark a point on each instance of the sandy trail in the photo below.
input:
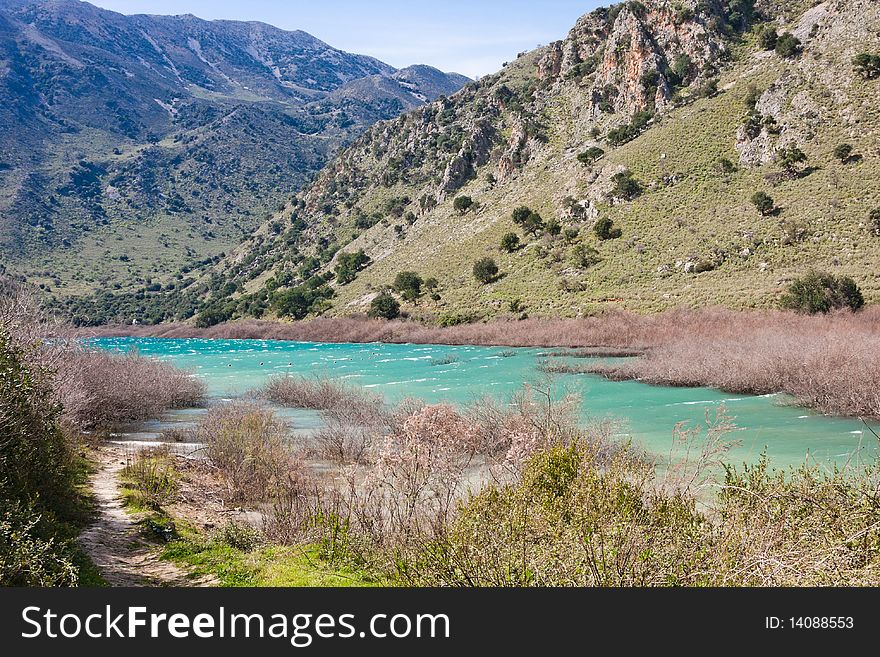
(115, 542)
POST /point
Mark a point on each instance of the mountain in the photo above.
(637, 143)
(134, 146)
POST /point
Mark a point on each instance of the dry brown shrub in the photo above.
(104, 390)
(250, 447)
(829, 362)
(352, 417)
(96, 389)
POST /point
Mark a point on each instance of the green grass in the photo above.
(206, 554)
(270, 565)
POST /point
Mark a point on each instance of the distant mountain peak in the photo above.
(202, 126)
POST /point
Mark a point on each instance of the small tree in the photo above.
(584, 256)
(625, 186)
(763, 202)
(462, 204)
(409, 285)
(384, 306)
(725, 166)
(787, 45)
(790, 156)
(867, 65)
(510, 242)
(820, 293)
(533, 224)
(349, 264)
(842, 152)
(753, 95)
(590, 155)
(874, 219)
(520, 214)
(681, 67)
(605, 230)
(485, 270)
(553, 227)
(767, 37)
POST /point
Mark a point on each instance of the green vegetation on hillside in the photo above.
(667, 163)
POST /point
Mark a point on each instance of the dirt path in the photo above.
(115, 542)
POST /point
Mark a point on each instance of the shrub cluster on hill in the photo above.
(821, 293)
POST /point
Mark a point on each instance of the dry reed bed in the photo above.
(103, 390)
(828, 362)
(95, 389)
(614, 329)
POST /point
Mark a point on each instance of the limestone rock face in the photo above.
(631, 56)
(789, 110)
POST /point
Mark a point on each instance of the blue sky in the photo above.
(471, 37)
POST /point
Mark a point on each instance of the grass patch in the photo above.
(268, 565)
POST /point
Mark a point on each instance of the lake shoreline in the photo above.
(830, 363)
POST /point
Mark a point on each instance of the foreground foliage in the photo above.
(520, 495)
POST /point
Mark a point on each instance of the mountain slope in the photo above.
(683, 102)
(147, 143)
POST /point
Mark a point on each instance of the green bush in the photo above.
(767, 37)
(299, 301)
(584, 256)
(37, 479)
(455, 319)
(605, 230)
(790, 156)
(35, 458)
(462, 204)
(349, 264)
(625, 186)
(867, 65)
(874, 219)
(628, 132)
(152, 477)
(409, 285)
(28, 557)
(510, 242)
(821, 293)
(572, 519)
(681, 68)
(763, 202)
(843, 151)
(240, 535)
(384, 306)
(530, 221)
(485, 270)
(520, 214)
(590, 155)
(553, 227)
(787, 45)
(725, 166)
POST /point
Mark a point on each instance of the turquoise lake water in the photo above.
(461, 374)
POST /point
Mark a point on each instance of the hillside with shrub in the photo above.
(662, 154)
